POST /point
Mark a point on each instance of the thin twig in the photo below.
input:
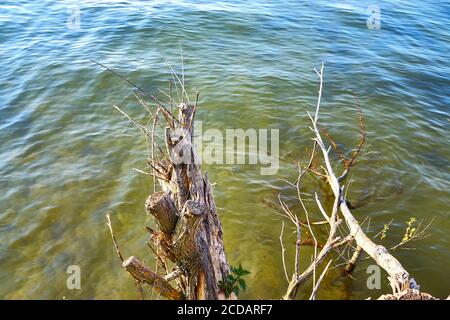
(283, 251)
(313, 294)
(116, 246)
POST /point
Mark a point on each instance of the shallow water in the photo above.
(67, 155)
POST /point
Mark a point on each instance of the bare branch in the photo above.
(313, 294)
(116, 246)
(283, 251)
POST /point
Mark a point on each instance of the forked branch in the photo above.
(399, 278)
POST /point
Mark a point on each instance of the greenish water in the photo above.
(67, 155)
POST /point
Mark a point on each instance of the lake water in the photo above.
(67, 155)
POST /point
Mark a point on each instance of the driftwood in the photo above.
(403, 285)
(190, 233)
(189, 245)
(142, 273)
(161, 206)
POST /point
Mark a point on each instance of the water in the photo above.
(67, 155)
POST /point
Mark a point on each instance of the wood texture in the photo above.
(161, 206)
(191, 233)
(142, 273)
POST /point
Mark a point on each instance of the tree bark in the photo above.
(141, 272)
(190, 233)
(161, 206)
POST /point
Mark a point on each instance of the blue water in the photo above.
(67, 155)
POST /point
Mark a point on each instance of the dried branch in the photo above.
(398, 276)
(313, 294)
(283, 252)
(116, 246)
(142, 273)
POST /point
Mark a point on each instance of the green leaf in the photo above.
(245, 272)
(233, 282)
(242, 284)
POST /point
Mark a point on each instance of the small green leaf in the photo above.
(242, 284)
(233, 282)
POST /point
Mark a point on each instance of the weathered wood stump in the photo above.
(190, 233)
(161, 206)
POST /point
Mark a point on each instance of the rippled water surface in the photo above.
(67, 155)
